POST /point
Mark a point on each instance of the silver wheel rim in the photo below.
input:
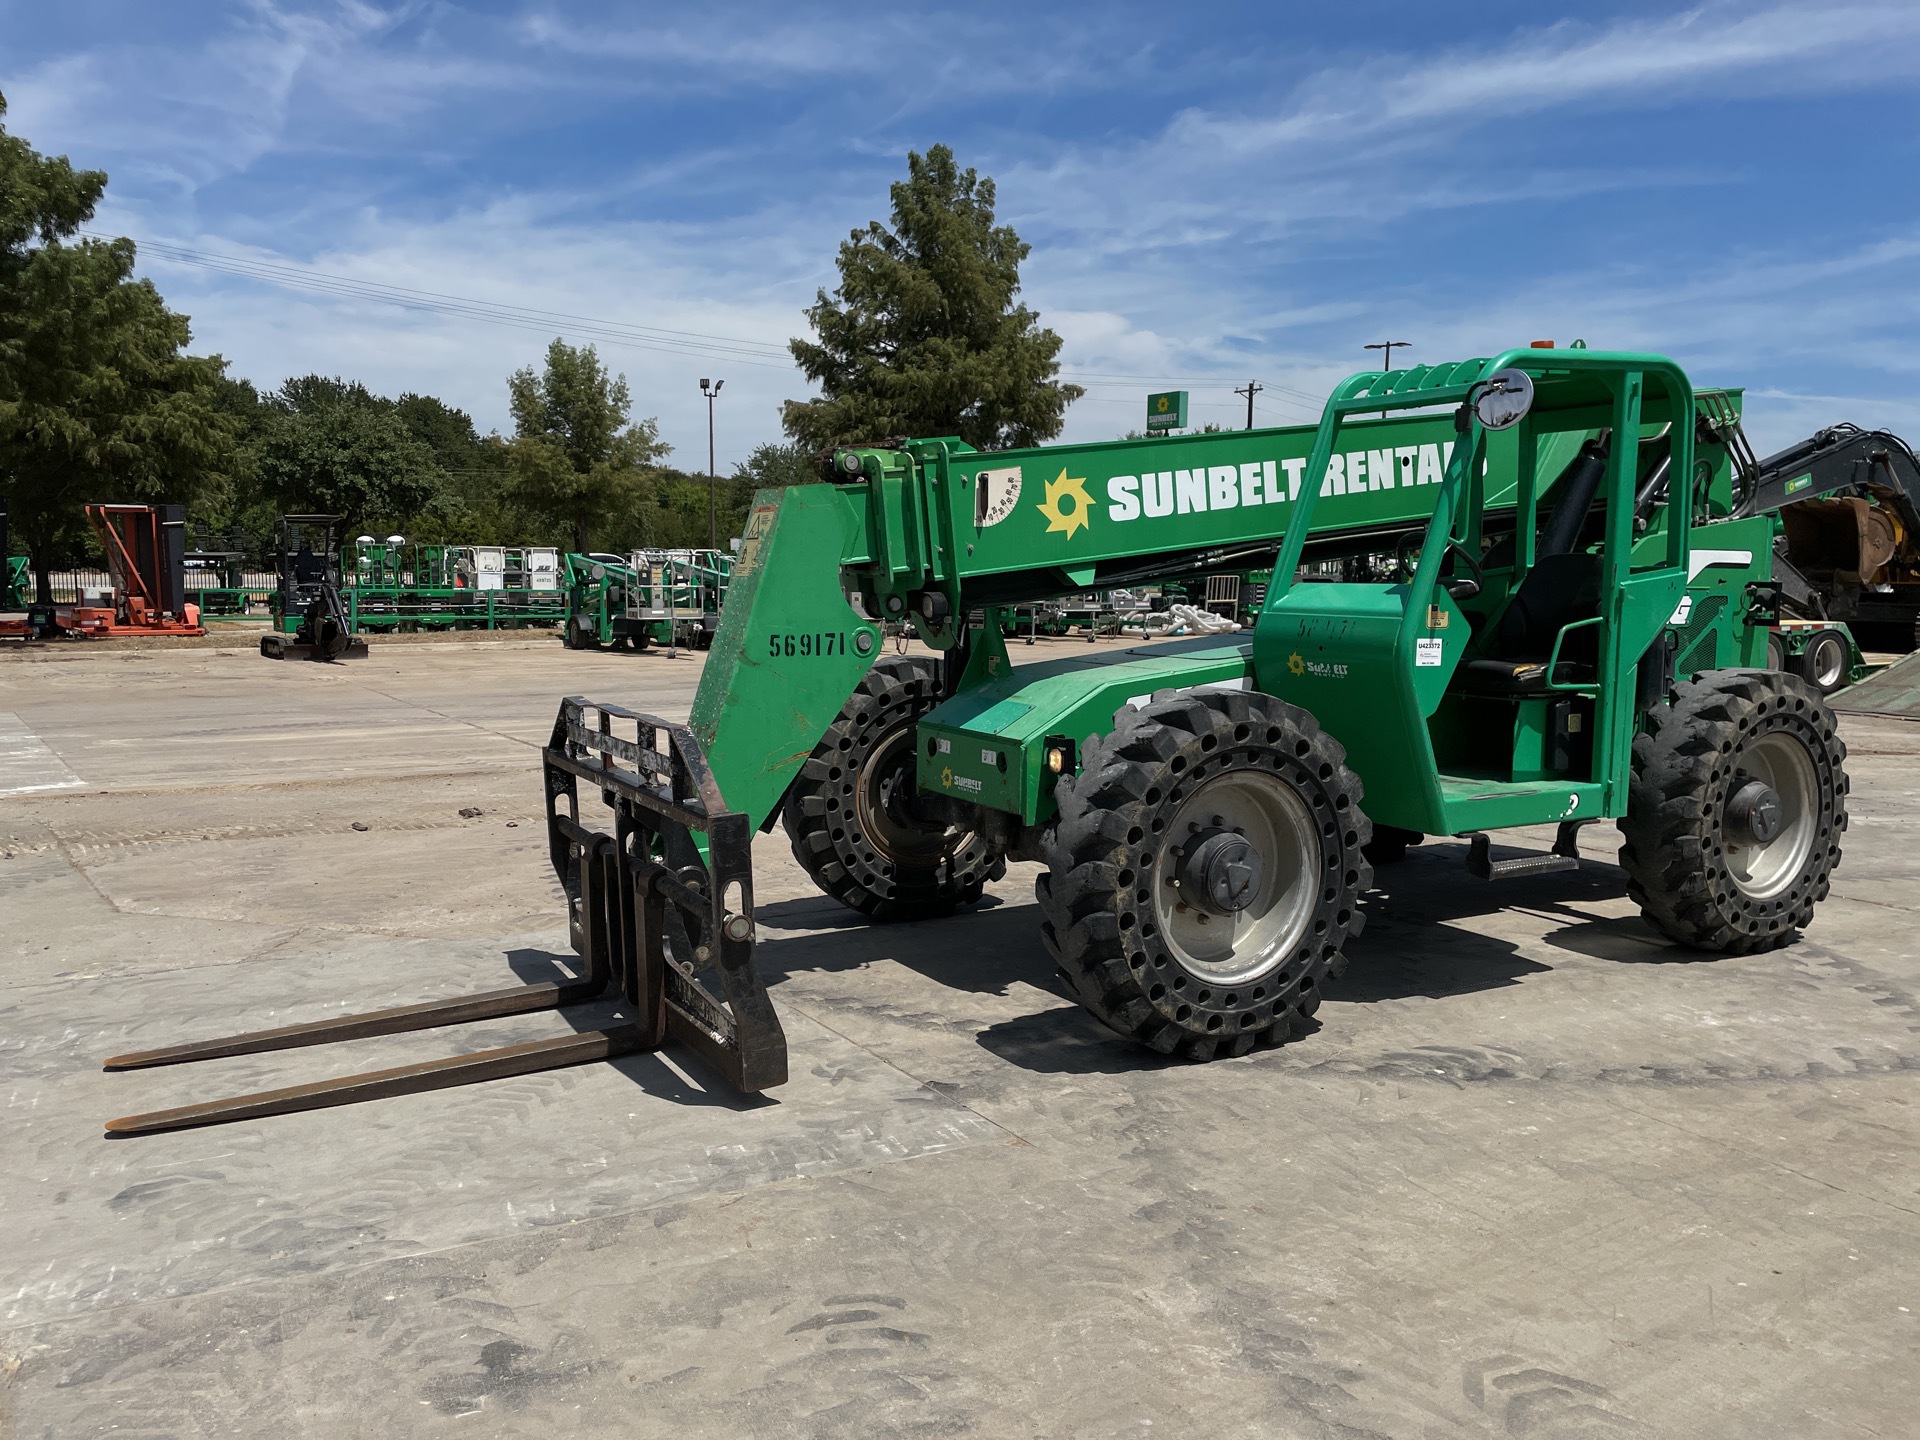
(1232, 949)
(901, 841)
(1829, 662)
(1762, 871)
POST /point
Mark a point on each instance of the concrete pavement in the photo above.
(1537, 1173)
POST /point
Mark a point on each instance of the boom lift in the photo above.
(1546, 651)
(647, 598)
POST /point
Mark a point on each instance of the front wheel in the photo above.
(1205, 871)
(1734, 816)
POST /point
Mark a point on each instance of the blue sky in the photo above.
(1212, 193)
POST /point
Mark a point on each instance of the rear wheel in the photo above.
(1826, 661)
(1736, 810)
(1776, 651)
(857, 821)
(579, 633)
(1205, 871)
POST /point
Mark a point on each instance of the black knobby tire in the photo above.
(1112, 857)
(1687, 866)
(853, 817)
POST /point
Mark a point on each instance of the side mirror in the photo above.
(1503, 399)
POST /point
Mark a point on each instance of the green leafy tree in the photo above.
(772, 466)
(473, 505)
(577, 458)
(330, 446)
(923, 337)
(776, 466)
(98, 402)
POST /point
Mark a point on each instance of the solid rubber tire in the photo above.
(1683, 763)
(823, 824)
(1099, 923)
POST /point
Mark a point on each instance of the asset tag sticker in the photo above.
(1429, 652)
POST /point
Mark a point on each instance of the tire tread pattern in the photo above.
(822, 823)
(1097, 923)
(1683, 766)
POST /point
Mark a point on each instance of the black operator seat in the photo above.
(1563, 586)
(308, 568)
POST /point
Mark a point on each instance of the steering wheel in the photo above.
(1460, 587)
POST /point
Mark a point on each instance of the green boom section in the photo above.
(1016, 525)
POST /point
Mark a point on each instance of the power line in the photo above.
(518, 317)
(737, 349)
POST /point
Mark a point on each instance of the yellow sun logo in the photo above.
(1296, 664)
(946, 778)
(1067, 518)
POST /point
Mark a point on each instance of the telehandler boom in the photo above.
(1564, 634)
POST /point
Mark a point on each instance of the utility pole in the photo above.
(1253, 388)
(713, 526)
(1389, 346)
(1387, 363)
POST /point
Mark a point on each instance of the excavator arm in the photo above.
(1848, 501)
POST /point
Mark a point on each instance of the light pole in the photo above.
(713, 528)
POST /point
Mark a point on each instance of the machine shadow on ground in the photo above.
(1401, 955)
(988, 949)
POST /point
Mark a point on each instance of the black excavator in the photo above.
(310, 618)
(1849, 542)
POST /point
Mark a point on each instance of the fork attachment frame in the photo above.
(649, 909)
(671, 913)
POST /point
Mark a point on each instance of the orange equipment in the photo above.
(146, 555)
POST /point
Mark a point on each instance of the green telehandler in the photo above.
(1545, 617)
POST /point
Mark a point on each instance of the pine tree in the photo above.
(922, 337)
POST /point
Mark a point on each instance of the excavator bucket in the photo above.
(659, 908)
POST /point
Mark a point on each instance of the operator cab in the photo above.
(1502, 675)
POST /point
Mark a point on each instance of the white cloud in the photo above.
(1205, 242)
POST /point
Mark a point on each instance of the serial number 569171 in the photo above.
(829, 642)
